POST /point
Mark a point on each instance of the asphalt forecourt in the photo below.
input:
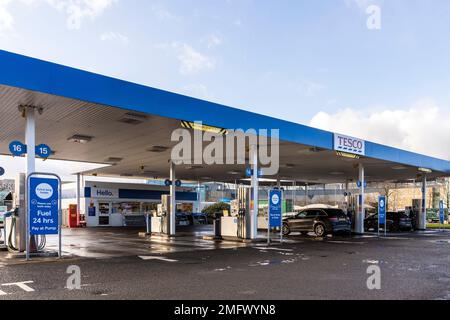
(404, 267)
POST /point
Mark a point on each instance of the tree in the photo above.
(447, 191)
(217, 207)
(388, 192)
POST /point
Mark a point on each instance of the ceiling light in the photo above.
(78, 138)
(133, 118)
(126, 175)
(234, 173)
(425, 170)
(158, 149)
(310, 151)
(337, 173)
(399, 168)
(194, 167)
(113, 160)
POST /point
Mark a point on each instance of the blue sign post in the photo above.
(441, 212)
(44, 207)
(382, 213)
(275, 212)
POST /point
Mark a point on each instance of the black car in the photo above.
(395, 221)
(319, 221)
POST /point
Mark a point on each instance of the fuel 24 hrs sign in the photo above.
(275, 208)
(43, 202)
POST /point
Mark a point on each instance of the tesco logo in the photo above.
(349, 144)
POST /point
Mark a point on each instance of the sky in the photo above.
(313, 62)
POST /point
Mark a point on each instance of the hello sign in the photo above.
(349, 144)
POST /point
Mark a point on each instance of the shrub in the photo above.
(217, 207)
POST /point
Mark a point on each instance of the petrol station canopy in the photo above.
(128, 128)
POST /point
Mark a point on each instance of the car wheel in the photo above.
(319, 230)
(285, 229)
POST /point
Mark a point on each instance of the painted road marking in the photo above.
(3, 293)
(157, 258)
(273, 248)
(346, 242)
(22, 285)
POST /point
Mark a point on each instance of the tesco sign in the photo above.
(349, 144)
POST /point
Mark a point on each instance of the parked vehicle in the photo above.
(181, 219)
(319, 221)
(199, 218)
(395, 221)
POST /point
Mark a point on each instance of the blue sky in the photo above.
(308, 61)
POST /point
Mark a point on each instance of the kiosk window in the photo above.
(103, 208)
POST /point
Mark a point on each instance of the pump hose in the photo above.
(41, 241)
(11, 247)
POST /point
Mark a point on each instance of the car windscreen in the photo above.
(335, 213)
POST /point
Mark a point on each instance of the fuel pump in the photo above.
(12, 226)
(241, 220)
(14, 235)
(165, 214)
(244, 212)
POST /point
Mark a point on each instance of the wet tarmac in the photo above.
(121, 242)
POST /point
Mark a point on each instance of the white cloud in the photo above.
(192, 61)
(75, 10)
(115, 37)
(307, 88)
(162, 13)
(6, 18)
(213, 40)
(422, 128)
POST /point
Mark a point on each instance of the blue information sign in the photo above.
(441, 212)
(359, 184)
(168, 183)
(2, 171)
(43, 204)
(43, 151)
(17, 148)
(275, 208)
(249, 172)
(178, 183)
(382, 210)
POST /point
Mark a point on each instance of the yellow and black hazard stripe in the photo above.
(202, 127)
(347, 155)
